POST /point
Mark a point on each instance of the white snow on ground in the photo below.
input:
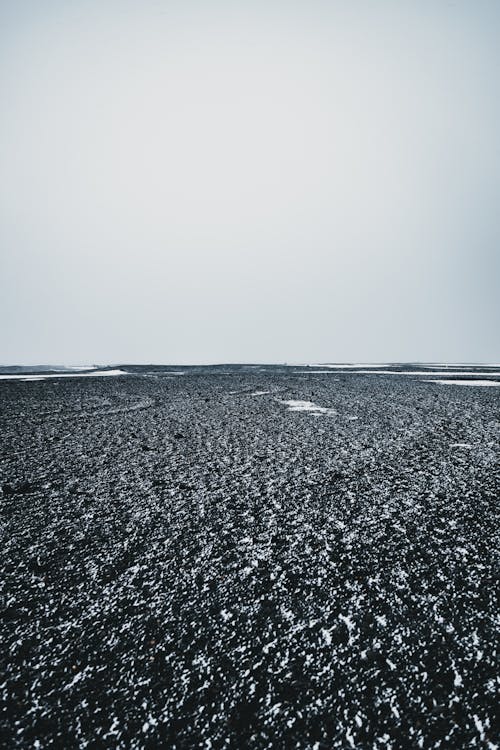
(351, 365)
(436, 373)
(302, 406)
(294, 405)
(414, 372)
(423, 372)
(259, 393)
(55, 368)
(94, 374)
(466, 382)
(346, 367)
(432, 365)
(459, 364)
(79, 367)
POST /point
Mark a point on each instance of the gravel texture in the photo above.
(190, 561)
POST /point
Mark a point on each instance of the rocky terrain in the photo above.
(245, 558)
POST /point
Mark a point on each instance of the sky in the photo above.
(267, 181)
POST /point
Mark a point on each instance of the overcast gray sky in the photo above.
(259, 181)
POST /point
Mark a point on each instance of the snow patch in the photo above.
(327, 636)
(487, 383)
(349, 366)
(94, 374)
(294, 405)
(420, 372)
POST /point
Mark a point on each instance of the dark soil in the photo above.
(187, 565)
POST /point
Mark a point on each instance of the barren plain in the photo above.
(242, 557)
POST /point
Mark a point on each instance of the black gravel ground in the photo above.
(187, 565)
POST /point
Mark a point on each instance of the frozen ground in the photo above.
(185, 565)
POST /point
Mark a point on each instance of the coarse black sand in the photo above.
(187, 565)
